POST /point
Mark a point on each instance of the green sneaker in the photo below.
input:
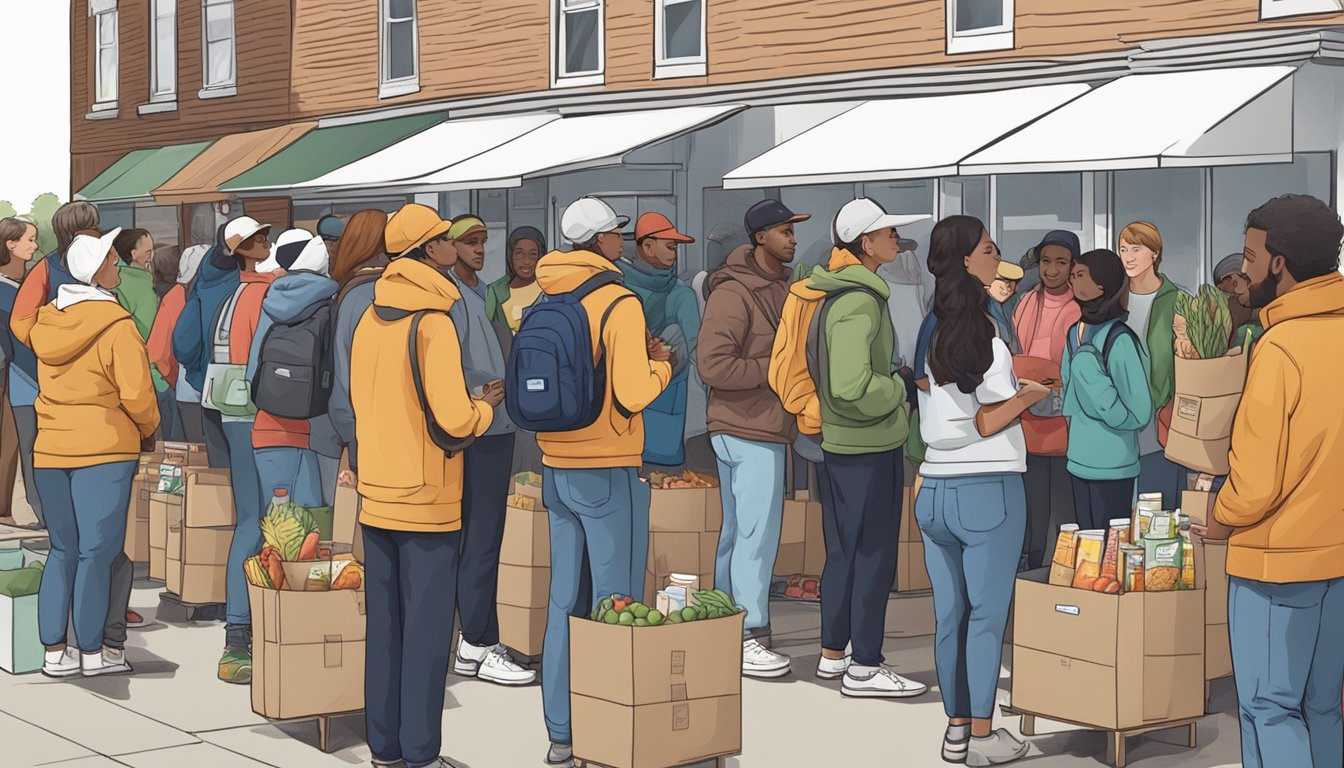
(236, 667)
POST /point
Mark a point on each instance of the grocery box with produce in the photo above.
(20, 577)
(650, 690)
(1209, 382)
(684, 503)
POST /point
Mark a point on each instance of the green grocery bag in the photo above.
(914, 444)
(21, 582)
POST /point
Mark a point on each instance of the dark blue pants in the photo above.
(861, 503)
(411, 585)
(488, 462)
(1098, 502)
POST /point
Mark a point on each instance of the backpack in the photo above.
(1111, 336)
(295, 366)
(449, 444)
(551, 383)
(226, 388)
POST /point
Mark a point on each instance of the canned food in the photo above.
(1131, 557)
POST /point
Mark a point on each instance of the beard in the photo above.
(1263, 293)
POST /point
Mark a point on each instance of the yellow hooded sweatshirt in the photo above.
(611, 441)
(407, 482)
(96, 399)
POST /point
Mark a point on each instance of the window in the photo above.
(106, 69)
(1277, 9)
(679, 38)
(163, 50)
(219, 53)
(1240, 189)
(576, 34)
(979, 25)
(1172, 199)
(1029, 205)
(401, 49)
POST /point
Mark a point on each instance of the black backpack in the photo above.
(450, 445)
(295, 369)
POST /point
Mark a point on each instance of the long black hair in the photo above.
(961, 349)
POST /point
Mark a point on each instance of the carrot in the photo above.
(308, 551)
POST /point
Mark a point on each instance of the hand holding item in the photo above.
(1184, 348)
(492, 394)
(659, 351)
(147, 444)
(1033, 391)
(347, 479)
(1212, 530)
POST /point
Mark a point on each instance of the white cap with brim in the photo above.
(237, 232)
(862, 216)
(587, 217)
(86, 255)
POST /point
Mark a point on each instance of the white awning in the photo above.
(910, 138)
(433, 149)
(1172, 119)
(572, 144)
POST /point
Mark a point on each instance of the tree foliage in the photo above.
(43, 208)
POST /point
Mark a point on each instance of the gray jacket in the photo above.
(484, 347)
(340, 411)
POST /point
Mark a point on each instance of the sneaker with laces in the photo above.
(879, 682)
(998, 748)
(491, 664)
(62, 663)
(834, 669)
(109, 661)
(235, 667)
(761, 662)
(560, 755)
(955, 742)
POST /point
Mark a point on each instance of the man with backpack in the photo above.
(750, 431)
(832, 365)
(582, 368)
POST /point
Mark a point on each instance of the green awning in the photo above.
(326, 149)
(140, 171)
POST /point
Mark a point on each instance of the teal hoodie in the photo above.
(1106, 404)
(864, 408)
(667, 300)
(136, 294)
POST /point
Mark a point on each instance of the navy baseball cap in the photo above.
(1062, 238)
(770, 213)
(330, 227)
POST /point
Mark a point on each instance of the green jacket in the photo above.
(1162, 345)
(1254, 330)
(863, 406)
(495, 295)
(136, 294)
(1106, 402)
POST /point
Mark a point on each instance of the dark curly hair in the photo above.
(961, 349)
(1303, 230)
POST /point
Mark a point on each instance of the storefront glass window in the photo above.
(724, 210)
(907, 197)
(1030, 205)
(1238, 190)
(967, 196)
(112, 216)
(814, 235)
(492, 205)
(1172, 200)
(163, 222)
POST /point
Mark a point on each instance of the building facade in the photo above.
(1031, 114)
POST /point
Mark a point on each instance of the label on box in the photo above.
(1071, 610)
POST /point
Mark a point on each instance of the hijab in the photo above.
(1108, 272)
(517, 236)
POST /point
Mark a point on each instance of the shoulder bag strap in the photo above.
(626, 413)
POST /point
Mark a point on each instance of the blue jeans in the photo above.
(597, 518)
(751, 479)
(247, 505)
(1288, 657)
(295, 470)
(410, 585)
(86, 519)
(1157, 474)
(973, 528)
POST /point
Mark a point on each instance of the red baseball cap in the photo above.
(659, 226)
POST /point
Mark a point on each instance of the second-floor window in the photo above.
(401, 49)
(577, 35)
(219, 51)
(163, 50)
(979, 25)
(679, 38)
(105, 48)
(1278, 9)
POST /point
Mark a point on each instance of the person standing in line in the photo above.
(1152, 308)
(487, 463)
(1042, 321)
(750, 431)
(230, 344)
(1106, 397)
(330, 229)
(1228, 278)
(216, 281)
(136, 293)
(185, 400)
(1001, 294)
(98, 410)
(412, 511)
(864, 425)
(971, 508)
(18, 243)
(1279, 509)
(505, 301)
(598, 505)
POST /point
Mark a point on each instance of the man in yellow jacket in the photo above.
(598, 505)
(411, 485)
(1281, 510)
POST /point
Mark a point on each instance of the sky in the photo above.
(35, 131)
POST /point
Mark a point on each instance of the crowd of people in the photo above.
(1021, 411)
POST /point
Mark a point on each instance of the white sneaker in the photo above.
(109, 661)
(834, 669)
(492, 665)
(998, 748)
(955, 742)
(62, 663)
(879, 682)
(759, 661)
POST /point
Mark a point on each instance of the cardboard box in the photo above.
(308, 652)
(654, 583)
(1214, 571)
(1205, 404)
(522, 629)
(647, 697)
(532, 492)
(160, 505)
(20, 645)
(209, 499)
(793, 528)
(814, 548)
(345, 515)
(1217, 652)
(911, 573)
(909, 530)
(688, 553)
(196, 559)
(685, 510)
(1113, 662)
(1198, 505)
(524, 586)
(527, 538)
(137, 517)
(789, 560)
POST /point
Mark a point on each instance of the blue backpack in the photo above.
(551, 383)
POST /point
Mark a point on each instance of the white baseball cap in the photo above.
(861, 216)
(86, 255)
(588, 216)
(239, 230)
